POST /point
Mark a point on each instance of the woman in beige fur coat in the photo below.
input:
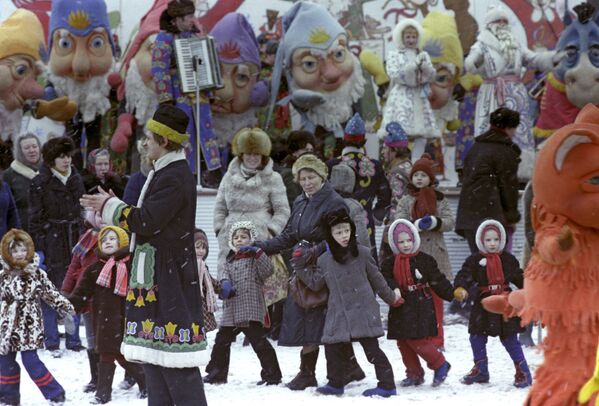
(251, 190)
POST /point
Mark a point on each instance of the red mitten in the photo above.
(114, 80)
(120, 138)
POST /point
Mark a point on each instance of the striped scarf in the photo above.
(120, 283)
(205, 281)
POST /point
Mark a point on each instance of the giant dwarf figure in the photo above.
(81, 58)
(324, 77)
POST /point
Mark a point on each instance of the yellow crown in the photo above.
(319, 36)
(79, 20)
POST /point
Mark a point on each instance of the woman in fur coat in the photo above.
(251, 190)
(22, 286)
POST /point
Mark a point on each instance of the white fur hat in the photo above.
(485, 225)
(496, 12)
(401, 26)
(248, 225)
(404, 225)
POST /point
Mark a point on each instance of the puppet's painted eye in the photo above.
(21, 69)
(309, 64)
(97, 42)
(339, 56)
(594, 180)
(65, 43)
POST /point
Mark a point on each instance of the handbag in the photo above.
(304, 296)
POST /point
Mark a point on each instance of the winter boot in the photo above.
(127, 383)
(93, 359)
(104, 385)
(478, 374)
(330, 390)
(441, 374)
(525, 337)
(136, 372)
(353, 371)
(412, 381)
(523, 378)
(306, 376)
(384, 393)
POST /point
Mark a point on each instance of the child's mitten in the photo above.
(426, 223)
(226, 290)
(460, 294)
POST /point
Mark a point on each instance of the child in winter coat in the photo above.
(22, 286)
(105, 282)
(208, 285)
(351, 275)
(493, 269)
(415, 322)
(429, 211)
(244, 308)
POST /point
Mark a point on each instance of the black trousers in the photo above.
(337, 358)
(174, 386)
(218, 366)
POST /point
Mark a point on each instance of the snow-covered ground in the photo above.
(72, 372)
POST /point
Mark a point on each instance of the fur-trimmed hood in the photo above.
(9, 237)
(485, 225)
(414, 232)
(399, 29)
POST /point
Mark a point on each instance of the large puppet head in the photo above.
(239, 57)
(19, 54)
(81, 53)
(315, 57)
(566, 177)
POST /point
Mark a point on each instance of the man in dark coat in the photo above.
(490, 183)
(164, 304)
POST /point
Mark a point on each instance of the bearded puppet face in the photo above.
(322, 71)
(143, 60)
(239, 81)
(18, 75)
(441, 87)
(80, 57)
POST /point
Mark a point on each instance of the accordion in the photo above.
(202, 50)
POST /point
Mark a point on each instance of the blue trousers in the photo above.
(52, 340)
(510, 343)
(10, 376)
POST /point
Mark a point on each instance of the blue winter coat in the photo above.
(8, 210)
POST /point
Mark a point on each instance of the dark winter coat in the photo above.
(9, 217)
(416, 318)
(109, 308)
(352, 310)
(293, 188)
(19, 177)
(80, 261)
(55, 220)
(301, 326)
(481, 321)
(490, 182)
(133, 188)
(112, 182)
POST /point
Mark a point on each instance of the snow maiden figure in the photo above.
(411, 71)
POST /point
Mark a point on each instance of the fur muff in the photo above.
(9, 237)
(56, 147)
(251, 141)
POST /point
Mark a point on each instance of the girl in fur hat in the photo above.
(22, 286)
(106, 283)
(414, 323)
(244, 309)
(492, 269)
(208, 285)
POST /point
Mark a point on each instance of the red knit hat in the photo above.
(424, 164)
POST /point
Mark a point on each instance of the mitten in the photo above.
(114, 80)
(260, 94)
(374, 65)
(42, 258)
(69, 324)
(460, 294)
(306, 99)
(304, 256)
(120, 138)
(398, 299)
(60, 109)
(426, 223)
(248, 249)
(226, 290)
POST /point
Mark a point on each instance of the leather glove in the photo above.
(59, 109)
(120, 138)
(227, 291)
(460, 294)
(398, 299)
(304, 256)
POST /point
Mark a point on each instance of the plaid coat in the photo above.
(247, 273)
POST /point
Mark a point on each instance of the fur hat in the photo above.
(12, 40)
(251, 141)
(505, 118)
(169, 122)
(299, 139)
(200, 235)
(343, 178)
(331, 219)
(426, 165)
(355, 131)
(399, 226)
(9, 237)
(56, 147)
(396, 136)
(482, 230)
(400, 28)
(121, 235)
(496, 12)
(309, 161)
(248, 225)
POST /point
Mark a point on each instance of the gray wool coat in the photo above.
(247, 273)
(353, 311)
(432, 242)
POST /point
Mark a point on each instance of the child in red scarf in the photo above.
(106, 282)
(415, 324)
(492, 269)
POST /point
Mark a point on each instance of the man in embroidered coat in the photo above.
(164, 326)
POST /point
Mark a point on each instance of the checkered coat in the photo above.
(247, 273)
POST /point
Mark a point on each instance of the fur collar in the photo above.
(63, 178)
(23, 169)
(238, 180)
(489, 39)
(168, 158)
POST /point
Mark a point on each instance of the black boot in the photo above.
(104, 386)
(127, 383)
(93, 359)
(306, 376)
(353, 372)
(136, 372)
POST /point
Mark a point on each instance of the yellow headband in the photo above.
(166, 132)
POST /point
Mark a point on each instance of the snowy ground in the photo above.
(72, 372)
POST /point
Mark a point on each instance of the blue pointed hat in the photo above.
(396, 136)
(355, 131)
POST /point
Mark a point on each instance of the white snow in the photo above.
(72, 372)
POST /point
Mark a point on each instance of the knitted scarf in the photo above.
(88, 241)
(494, 272)
(426, 201)
(206, 281)
(402, 272)
(120, 282)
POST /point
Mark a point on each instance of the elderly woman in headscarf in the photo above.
(98, 173)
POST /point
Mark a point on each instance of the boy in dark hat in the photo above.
(164, 315)
(490, 181)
